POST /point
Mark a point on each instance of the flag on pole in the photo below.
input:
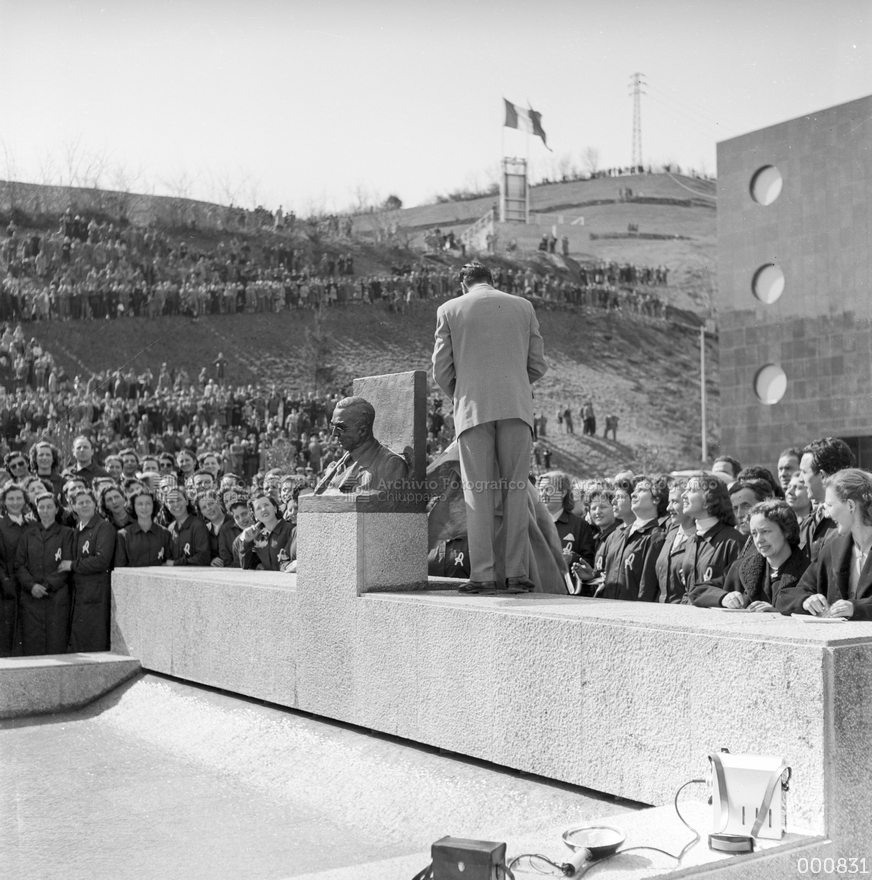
(524, 120)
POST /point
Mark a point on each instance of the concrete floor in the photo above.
(162, 779)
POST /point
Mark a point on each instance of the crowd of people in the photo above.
(732, 538)
(96, 271)
(161, 472)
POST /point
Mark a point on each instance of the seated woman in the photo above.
(270, 544)
(716, 544)
(839, 582)
(143, 542)
(766, 578)
(190, 539)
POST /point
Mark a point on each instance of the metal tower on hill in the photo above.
(637, 82)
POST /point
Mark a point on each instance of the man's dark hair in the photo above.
(762, 490)
(732, 462)
(830, 455)
(475, 273)
(756, 472)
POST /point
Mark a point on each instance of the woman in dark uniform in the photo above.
(45, 463)
(45, 591)
(270, 544)
(143, 542)
(188, 532)
(15, 518)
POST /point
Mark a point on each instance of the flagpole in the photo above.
(527, 129)
(502, 210)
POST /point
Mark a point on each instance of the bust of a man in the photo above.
(366, 466)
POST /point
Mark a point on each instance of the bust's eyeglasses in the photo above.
(17, 464)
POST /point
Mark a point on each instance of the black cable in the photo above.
(532, 856)
(425, 874)
(591, 865)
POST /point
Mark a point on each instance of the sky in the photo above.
(322, 106)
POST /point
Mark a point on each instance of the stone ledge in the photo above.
(657, 827)
(59, 682)
(618, 697)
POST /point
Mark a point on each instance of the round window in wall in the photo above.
(766, 185)
(768, 283)
(770, 383)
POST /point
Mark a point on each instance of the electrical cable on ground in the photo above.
(567, 870)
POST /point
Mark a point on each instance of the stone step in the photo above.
(59, 682)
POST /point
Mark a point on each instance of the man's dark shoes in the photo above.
(519, 585)
(477, 588)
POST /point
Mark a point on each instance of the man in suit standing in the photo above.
(488, 352)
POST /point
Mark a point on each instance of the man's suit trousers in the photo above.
(494, 466)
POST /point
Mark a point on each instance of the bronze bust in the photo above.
(366, 466)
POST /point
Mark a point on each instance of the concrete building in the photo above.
(795, 269)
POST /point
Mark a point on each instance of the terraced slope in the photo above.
(643, 371)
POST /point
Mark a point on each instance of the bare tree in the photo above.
(227, 188)
(47, 170)
(591, 158)
(251, 188)
(179, 187)
(93, 168)
(564, 166)
(72, 156)
(363, 201)
(124, 181)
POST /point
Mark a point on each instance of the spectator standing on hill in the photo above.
(588, 420)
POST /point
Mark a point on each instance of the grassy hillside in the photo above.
(692, 260)
(644, 372)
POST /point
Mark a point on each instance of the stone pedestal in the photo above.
(345, 550)
(356, 544)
